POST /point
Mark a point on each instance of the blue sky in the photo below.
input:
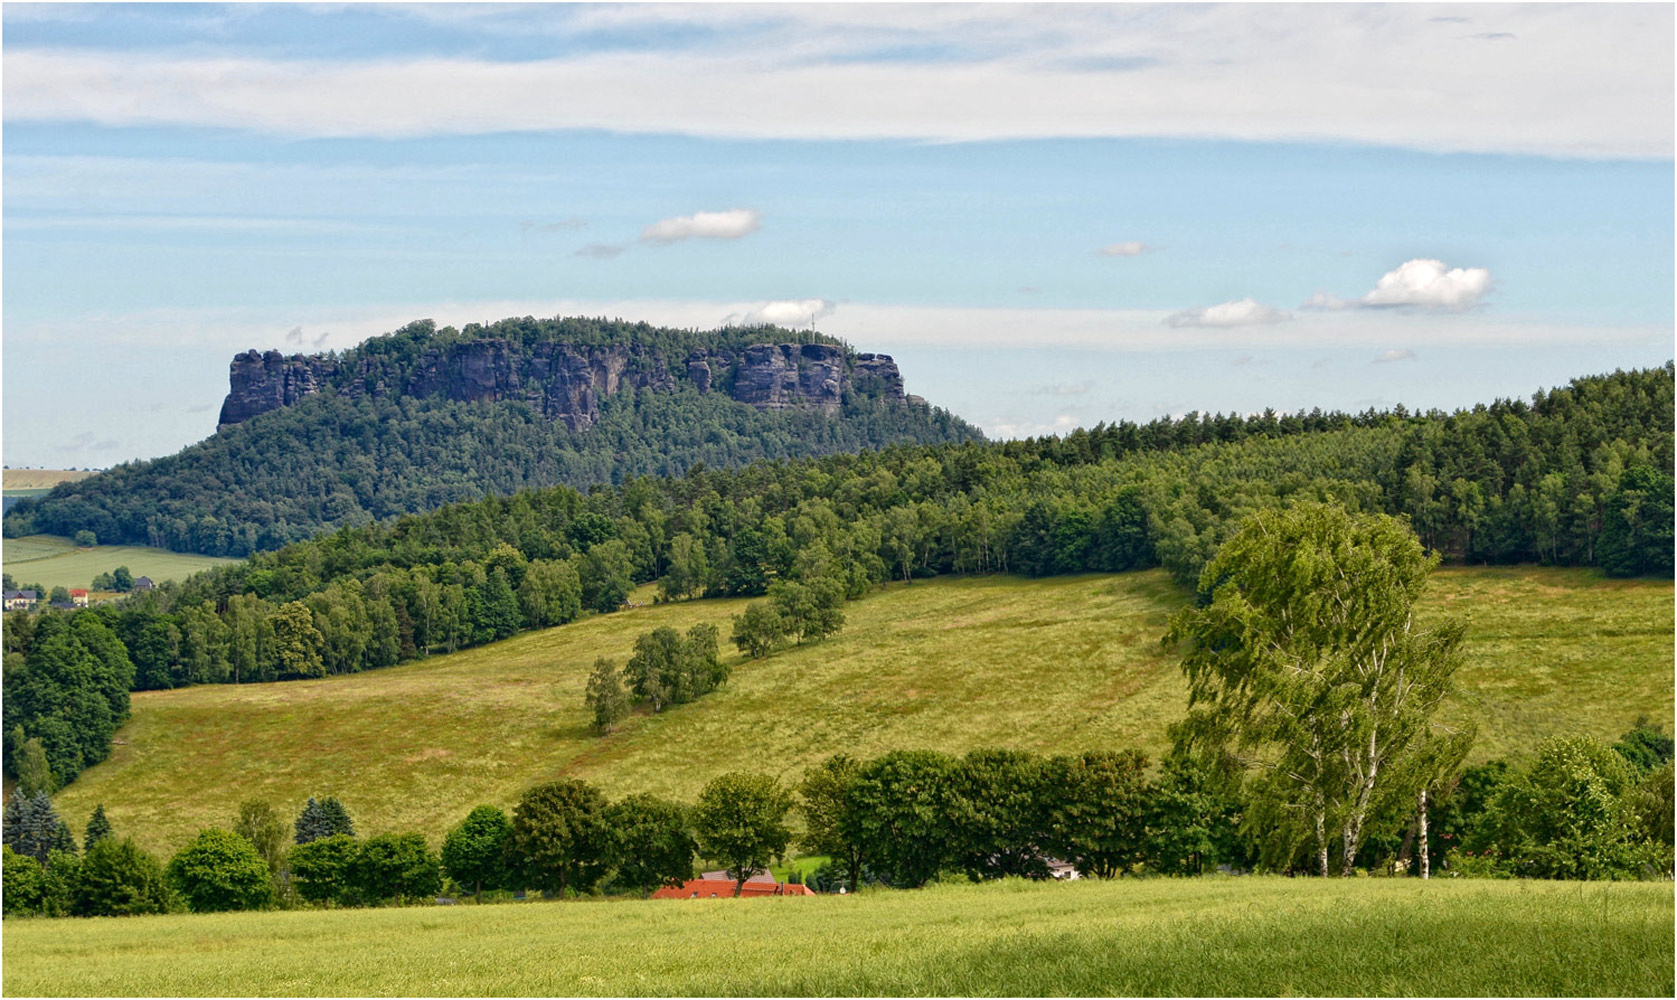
(1052, 216)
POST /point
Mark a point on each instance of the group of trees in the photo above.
(667, 668)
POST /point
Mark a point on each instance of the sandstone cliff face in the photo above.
(561, 381)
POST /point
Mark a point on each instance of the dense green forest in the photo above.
(1581, 475)
(344, 458)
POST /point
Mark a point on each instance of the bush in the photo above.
(396, 866)
(118, 879)
(24, 881)
(219, 871)
(321, 869)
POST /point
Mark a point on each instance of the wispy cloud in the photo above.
(1130, 249)
(1061, 389)
(600, 251)
(1590, 80)
(571, 224)
(1387, 357)
(1241, 312)
(730, 225)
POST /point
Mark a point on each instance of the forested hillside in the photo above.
(1579, 476)
(421, 417)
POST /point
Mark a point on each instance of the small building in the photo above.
(709, 888)
(21, 600)
(143, 584)
(78, 597)
(1062, 870)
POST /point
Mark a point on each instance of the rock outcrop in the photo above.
(562, 381)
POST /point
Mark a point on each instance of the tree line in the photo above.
(1580, 475)
(1580, 810)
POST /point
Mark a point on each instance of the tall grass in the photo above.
(1051, 666)
(1213, 936)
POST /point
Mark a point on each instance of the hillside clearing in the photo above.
(53, 561)
(1051, 665)
(39, 480)
(1154, 937)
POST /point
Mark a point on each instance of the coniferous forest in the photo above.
(1579, 475)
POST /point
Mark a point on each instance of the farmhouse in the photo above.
(21, 600)
(143, 584)
(78, 598)
(723, 888)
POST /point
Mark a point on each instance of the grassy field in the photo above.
(54, 561)
(1049, 665)
(1161, 937)
(38, 480)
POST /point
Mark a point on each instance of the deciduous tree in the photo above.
(1305, 662)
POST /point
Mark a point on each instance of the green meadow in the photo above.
(54, 561)
(1259, 936)
(1052, 665)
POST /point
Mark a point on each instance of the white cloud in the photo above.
(784, 312)
(1242, 312)
(1130, 249)
(1582, 80)
(729, 225)
(1431, 284)
(1387, 357)
(872, 326)
(1009, 430)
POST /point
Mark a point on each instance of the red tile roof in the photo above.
(705, 888)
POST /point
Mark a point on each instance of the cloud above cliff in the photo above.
(783, 312)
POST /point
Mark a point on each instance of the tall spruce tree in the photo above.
(98, 827)
(337, 818)
(312, 824)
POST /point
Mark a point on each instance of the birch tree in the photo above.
(1305, 666)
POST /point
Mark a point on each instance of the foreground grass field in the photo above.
(1049, 665)
(54, 561)
(1162, 937)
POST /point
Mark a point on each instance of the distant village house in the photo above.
(21, 600)
(718, 885)
(78, 598)
(143, 583)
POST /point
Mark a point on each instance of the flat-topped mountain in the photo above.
(422, 417)
(565, 381)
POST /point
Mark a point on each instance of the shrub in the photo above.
(118, 879)
(25, 882)
(220, 870)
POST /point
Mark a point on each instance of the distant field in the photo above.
(54, 561)
(38, 479)
(1153, 937)
(1050, 665)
